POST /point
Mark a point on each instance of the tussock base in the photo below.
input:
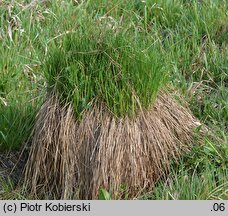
(70, 158)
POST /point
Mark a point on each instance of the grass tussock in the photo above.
(184, 43)
(70, 157)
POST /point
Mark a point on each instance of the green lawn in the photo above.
(188, 43)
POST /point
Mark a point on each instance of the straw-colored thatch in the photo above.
(69, 157)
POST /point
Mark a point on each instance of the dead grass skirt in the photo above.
(70, 158)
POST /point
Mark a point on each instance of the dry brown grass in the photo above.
(79, 157)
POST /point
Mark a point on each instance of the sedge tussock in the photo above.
(70, 157)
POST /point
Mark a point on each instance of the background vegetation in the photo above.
(192, 37)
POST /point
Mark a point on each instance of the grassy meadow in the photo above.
(176, 43)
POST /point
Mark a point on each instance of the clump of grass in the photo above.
(107, 120)
(190, 35)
